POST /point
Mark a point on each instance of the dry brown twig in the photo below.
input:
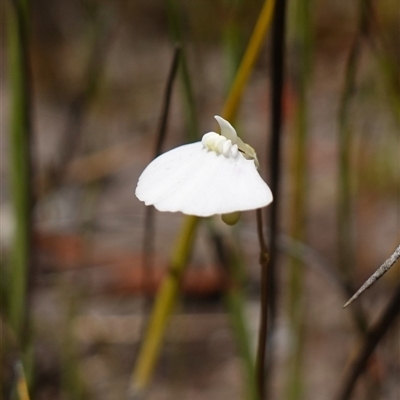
(376, 275)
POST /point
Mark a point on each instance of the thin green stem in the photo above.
(296, 274)
(164, 303)
(300, 65)
(345, 193)
(20, 168)
(232, 40)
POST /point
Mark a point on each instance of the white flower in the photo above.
(215, 176)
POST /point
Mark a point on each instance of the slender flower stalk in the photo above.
(263, 330)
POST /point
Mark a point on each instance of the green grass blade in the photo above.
(20, 167)
(300, 38)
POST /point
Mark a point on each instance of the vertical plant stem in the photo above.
(228, 256)
(148, 238)
(163, 306)
(247, 64)
(296, 278)
(250, 56)
(277, 76)
(233, 41)
(300, 34)
(345, 237)
(345, 240)
(263, 330)
(277, 80)
(20, 168)
(162, 129)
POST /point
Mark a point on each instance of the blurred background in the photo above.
(79, 123)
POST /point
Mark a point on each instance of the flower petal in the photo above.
(197, 181)
(166, 173)
(227, 129)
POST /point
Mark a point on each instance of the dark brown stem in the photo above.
(263, 330)
(277, 82)
(148, 240)
(277, 78)
(162, 129)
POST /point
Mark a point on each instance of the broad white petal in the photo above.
(166, 173)
(197, 181)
